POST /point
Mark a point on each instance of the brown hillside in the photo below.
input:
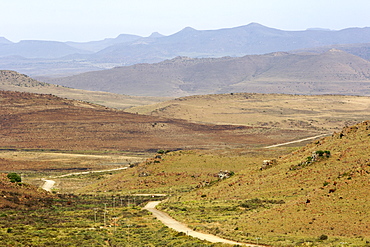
(329, 195)
(332, 72)
(18, 195)
(318, 112)
(13, 81)
(8, 77)
(48, 122)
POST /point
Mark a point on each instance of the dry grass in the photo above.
(327, 197)
(320, 113)
(181, 171)
(35, 166)
(19, 195)
(37, 121)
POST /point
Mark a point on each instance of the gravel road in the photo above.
(178, 226)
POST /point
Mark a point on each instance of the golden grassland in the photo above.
(327, 197)
(324, 202)
(295, 202)
(298, 201)
(181, 171)
(46, 122)
(34, 166)
(308, 112)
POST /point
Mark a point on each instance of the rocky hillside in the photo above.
(14, 81)
(332, 72)
(323, 189)
(12, 78)
(19, 195)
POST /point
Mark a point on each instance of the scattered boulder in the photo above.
(224, 174)
(268, 164)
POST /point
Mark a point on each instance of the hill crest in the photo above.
(12, 78)
(333, 72)
(50, 122)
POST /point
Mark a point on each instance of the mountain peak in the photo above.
(188, 29)
(156, 35)
(127, 37)
(255, 25)
(5, 41)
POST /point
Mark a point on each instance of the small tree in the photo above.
(14, 177)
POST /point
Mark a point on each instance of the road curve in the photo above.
(48, 184)
(178, 226)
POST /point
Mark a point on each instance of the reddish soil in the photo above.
(47, 122)
(18, 195)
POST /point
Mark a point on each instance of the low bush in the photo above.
(258, 203)
(323, 237)
(14, 177)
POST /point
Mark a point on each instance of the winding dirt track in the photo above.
(178, 226)
(168, 220)
(48, 185)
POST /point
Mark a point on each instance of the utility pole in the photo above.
(95, 211)
(115, 219)
(258, 239)
(105, 212)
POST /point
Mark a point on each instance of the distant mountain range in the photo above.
(51, 58)
(331, 72)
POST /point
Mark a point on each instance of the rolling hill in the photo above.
(39, 121)
(325, 195)
(326, 113)
(361, 50)
(15, 195)
(14, 81)
(317, 195)
(332, 72)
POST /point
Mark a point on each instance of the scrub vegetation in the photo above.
(314, 194)
(89, 221)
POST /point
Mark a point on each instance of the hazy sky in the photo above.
(84, 20)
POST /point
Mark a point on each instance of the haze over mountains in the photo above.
(51, 58)
(332, 72)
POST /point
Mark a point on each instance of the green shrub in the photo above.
(323, 237)
(14, 177)
(321, 153)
